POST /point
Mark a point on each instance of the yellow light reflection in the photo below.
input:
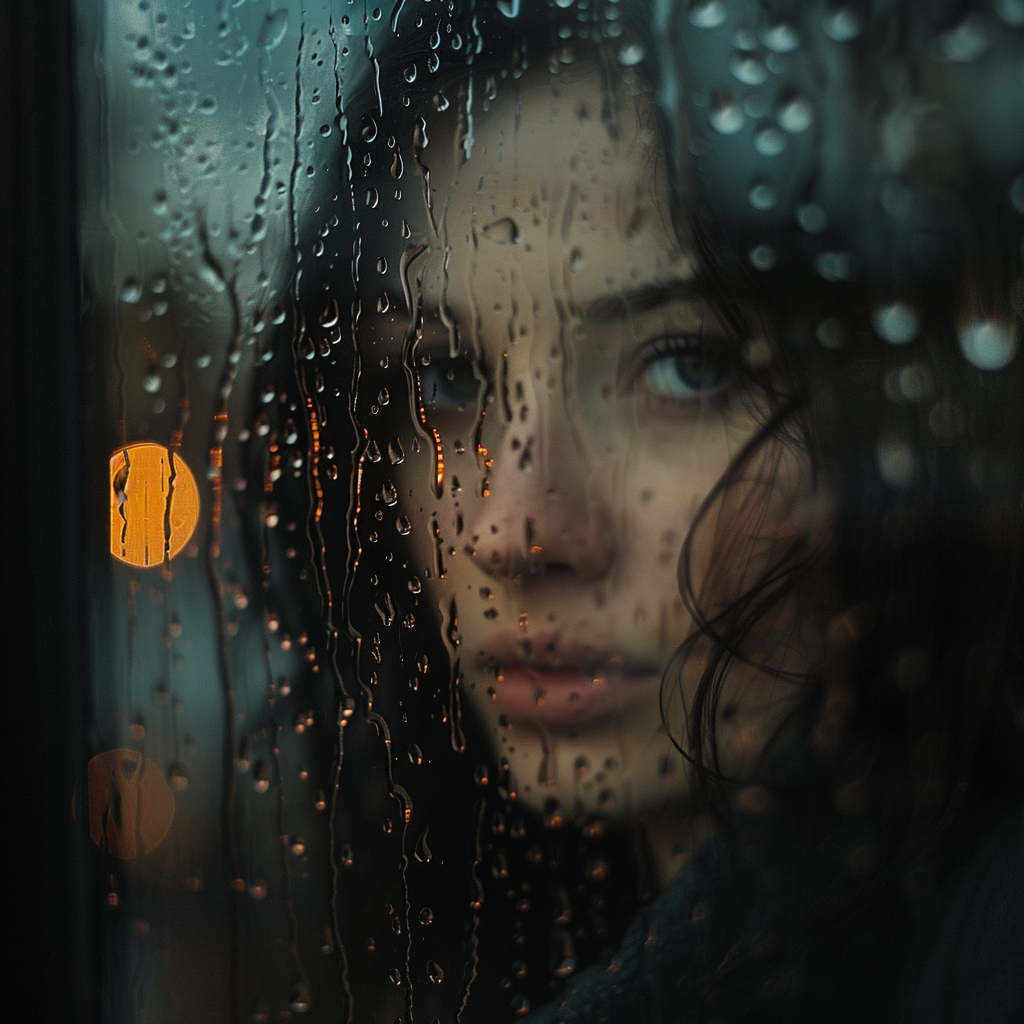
(154, 504)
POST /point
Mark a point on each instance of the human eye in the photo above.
(447, 384)
(682, 369)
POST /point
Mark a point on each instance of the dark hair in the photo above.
(907, 746)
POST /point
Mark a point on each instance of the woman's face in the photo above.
(585, 401)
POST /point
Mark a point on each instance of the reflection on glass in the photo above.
(604, 598)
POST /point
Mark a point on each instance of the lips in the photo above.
(567, 684)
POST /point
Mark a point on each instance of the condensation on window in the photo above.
(530, 428)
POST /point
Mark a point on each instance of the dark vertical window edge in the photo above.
(45, 694)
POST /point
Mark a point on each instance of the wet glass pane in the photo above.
(557, 534)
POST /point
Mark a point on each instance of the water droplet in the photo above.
(403, 526)
(329, 317)
(769, 142)
(510, 8)
(131, 290)
(967, 41)
(382, 265)
(368, 129)
(433, 62)
(273, 29)
(397, 166)
(811, 217)
(707, 13)
(795, 115)
(896, 323)
(780, 38)
(389, 493)
(988, 344)
(1011, 11)
(434, 972)
(504, 231)
(372, 451)
(831, 333)
(763, 196)
(426, 916)
(410, 74)
(396, 453)
(726, 114)
(763, 257)
(298, 846)
(748, 70)
(372, 198)
(179, 779)
(842, 25)
(160, 203)
(152, 381)
(395, 975)
(346, 856)
(834, 266)
(631, 54)
(422, 852)
(415, 754)
(896, 462)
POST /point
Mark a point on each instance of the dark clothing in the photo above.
(965, 965)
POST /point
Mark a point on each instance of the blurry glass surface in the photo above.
(425, 302)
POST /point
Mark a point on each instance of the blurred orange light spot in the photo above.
(154, 504)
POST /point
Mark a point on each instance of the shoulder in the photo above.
(971, 967)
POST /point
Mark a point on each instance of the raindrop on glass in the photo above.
(748, 70)
(631, 54)
(795, 115)
(811, 217)
(763, 196)
(831, 333)
(1011, 11)
(988, 344)
(726, 114)
(131, 290)
(769, 142)
(781, 38)
(707, 13)
(842, 25)
(896, 323)
(763, 257)
(896, 462)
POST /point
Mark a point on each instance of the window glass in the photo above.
(558, 555)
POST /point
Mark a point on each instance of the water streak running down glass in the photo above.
(605, 423)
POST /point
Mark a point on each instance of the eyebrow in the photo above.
(644, 297)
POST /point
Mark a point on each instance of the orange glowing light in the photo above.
(154, 504)
(130, 804)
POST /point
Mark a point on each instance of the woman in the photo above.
(708, 556)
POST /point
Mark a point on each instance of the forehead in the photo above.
(558, 190)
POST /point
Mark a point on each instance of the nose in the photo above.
(547, 511)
